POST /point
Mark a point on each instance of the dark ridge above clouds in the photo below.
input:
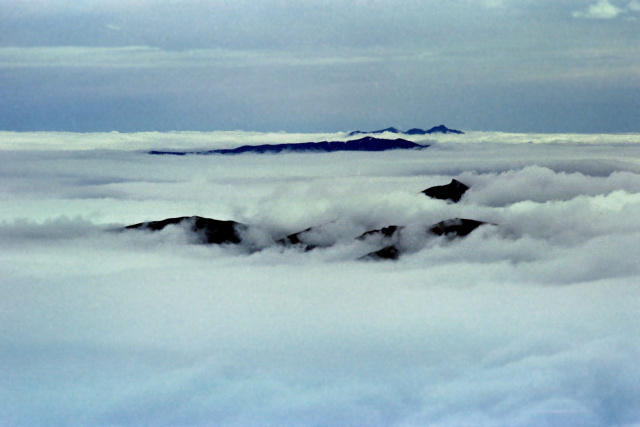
(367, 143)
(533, 321)
(388, 242)
(385, 243)
(413, 131)
(452, 191)
(211, 231)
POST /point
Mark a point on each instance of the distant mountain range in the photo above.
(368, 143)
(414, 131)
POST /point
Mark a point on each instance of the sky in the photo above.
(319, 65)
(529, 322)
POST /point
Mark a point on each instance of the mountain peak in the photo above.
(366, 143)
(414, 131)
(443, 129)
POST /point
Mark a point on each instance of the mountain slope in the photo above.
(368, 143)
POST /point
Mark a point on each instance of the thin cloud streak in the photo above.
(578, 64)
(150, 57)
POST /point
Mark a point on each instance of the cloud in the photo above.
(544, 185)
(528, 323)
(603, 9)
(27, 143)
(152, 57)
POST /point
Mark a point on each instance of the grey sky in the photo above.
(512, 65)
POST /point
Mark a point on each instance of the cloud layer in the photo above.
(533, 322)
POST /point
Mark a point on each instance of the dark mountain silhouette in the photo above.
(210, 231)
(367, 143)
(443, 129)
(414, 131)
(213, 231)
(392, 238)
(455, 227)
(390, 252)
(390, 130)
(301, 239)
(385, 231)
(452, 191)
(389, 242)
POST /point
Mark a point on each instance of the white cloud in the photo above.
(152, 57)
(603, 9)
(194, 141)
(533, 320)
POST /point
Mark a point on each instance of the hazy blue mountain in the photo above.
(440, 129)
(390, 130)
(367, 143)
(413, 131)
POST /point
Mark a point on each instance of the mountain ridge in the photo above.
(368, 143)
(414, 131)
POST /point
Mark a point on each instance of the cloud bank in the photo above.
(532, 322)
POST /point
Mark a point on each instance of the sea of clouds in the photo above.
(533, 322)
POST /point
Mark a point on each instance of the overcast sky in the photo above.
(320, 65)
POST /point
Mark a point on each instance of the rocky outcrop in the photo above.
(390, 240)
(385, 243)
(209, 231)
(455, 227)
(302, 239)
(385, 232)
(452, 191)
(390, 252)
(393, 243)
